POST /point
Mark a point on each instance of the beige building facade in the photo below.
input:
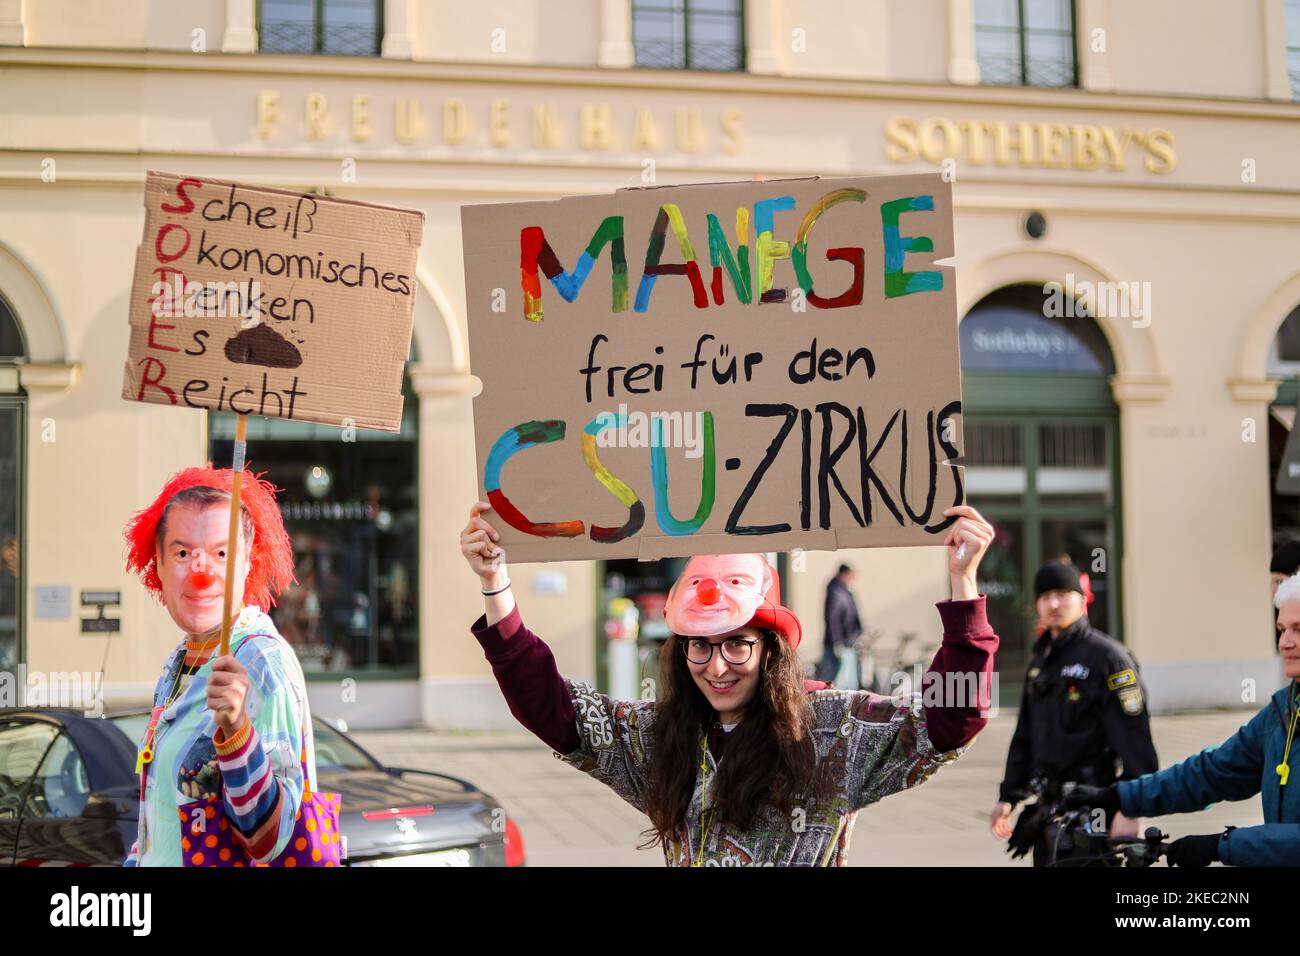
(1167, 194)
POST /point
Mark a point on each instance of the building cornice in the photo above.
(339, 67)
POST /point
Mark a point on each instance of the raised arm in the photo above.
(963, 665)
(521, 662)
(605, 738)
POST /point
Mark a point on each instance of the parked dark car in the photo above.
(69, 796)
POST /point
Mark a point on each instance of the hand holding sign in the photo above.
(967, 540)
(227, 688)
(485, 558)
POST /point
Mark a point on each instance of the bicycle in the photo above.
(1071, 839)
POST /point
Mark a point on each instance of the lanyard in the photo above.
(704, 774)
(145, 755)
(1284, 768)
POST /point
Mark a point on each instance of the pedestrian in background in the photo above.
(843, 627)
(1082, 711)
(1286, 562)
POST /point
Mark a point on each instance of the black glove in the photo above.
(1194, 850)
(1098, 798)
(1029, 827)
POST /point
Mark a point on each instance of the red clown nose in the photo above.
(708, 591)
(201, 580)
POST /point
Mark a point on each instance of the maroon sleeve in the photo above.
(966, 653)
(531, 683)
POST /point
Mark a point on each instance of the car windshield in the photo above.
(334, 752)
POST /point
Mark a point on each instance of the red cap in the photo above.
(774, 616)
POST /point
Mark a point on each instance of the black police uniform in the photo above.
(1083, 709)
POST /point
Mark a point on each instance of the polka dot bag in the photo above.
(208, 838)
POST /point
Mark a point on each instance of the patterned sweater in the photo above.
(256, 772)
(874, 745)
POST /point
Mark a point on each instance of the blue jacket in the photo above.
(1242, 766)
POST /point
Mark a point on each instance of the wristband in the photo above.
(497, 591)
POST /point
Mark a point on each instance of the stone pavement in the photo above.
(568, 819)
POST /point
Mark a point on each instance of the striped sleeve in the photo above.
(133, 858)
(250, 790)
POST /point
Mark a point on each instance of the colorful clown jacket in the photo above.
(875, 746)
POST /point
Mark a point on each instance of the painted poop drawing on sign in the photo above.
(262, 345)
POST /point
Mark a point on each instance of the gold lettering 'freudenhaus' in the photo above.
(540, 124)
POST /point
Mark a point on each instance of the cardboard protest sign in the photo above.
(716, 368)
(270, 302)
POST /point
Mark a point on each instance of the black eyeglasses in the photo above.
(734, 650)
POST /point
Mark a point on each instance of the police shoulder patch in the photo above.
(1131, 700)
(1125, 678)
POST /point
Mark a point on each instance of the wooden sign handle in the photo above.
(232, 542)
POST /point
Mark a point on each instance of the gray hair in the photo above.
(1288, 590)
(203, 496)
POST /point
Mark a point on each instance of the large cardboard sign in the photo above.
(270, 302)
(716, 368)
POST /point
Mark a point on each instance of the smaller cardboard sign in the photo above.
(270, 302)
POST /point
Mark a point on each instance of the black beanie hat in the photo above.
(1286, 559)
(1056, 576)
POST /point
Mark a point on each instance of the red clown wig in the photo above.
(270, 568)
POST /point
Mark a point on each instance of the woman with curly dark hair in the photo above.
(740, 761)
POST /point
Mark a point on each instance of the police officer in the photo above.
(1082, 710)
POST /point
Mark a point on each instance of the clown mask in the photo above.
(192, 567)
(717, 593)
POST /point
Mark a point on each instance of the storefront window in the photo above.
(12, 417)
(10, 551)
(352, 511)
(1283, 449)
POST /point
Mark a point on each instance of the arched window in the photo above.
(11, 336)
(1041, 454)
(1022, 330)
(1284, 356)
